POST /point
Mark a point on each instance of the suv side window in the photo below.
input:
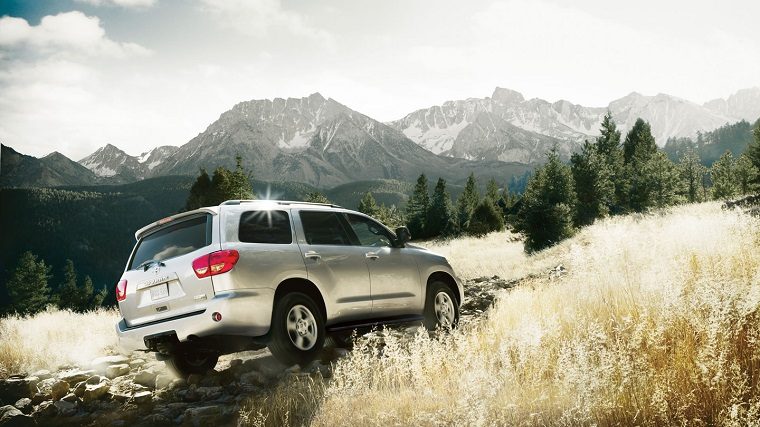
(369, 232)
(265, 226)
(323, 228)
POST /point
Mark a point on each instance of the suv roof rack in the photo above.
(279, 202)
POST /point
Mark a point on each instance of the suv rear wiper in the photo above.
(145, 265)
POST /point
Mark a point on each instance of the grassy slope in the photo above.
(656, 322)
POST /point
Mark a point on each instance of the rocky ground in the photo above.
(137, 390)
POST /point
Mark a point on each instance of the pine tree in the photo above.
(467, 201)
(485, 219)
(492, 192)
(639, 141)
(441, 217)
(368, 205)
(85, 295)
(28, 287)
(722, 173)
(691, 171)
(753, 151)
(239, 182)
(609, 148)
(417, 208)
(199, 192)
(317, 197)
(593, 183)
(68, 292)
(548, 205)
(665, 184)
(746, 174)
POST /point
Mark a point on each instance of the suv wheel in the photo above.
(441, 309)
(184, 363)
(298, 330)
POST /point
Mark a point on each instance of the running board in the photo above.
(374, 322)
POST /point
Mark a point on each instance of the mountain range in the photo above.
(321, 142)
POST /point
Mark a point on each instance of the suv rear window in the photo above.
(265, 226)
(323, 228)
(173, 241)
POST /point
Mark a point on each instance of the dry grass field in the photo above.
(656, 322)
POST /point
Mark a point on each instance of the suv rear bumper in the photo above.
(244, 313)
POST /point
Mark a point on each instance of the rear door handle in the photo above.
(372, 255)
(313, 255)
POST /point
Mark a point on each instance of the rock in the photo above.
(15, 388)
(79, 389)
(101, 363)
(340, 352)
(75, 376)
(45, 409)
(12, 417)
(210, 381)
(210, 393)
(66, 409)
(253, 378)
(71, 397)
(114, 371)
(194, 379)
(235, 363)
(157, 420)
(94, 392)
(42, 374)
(145, 378)
(95, 379)
(142, 397)
(24, 405)
(205, 415)
(59, 389)
(269, 366)
(178, 383)
(136, 363)
(40, 397)
(163, 380)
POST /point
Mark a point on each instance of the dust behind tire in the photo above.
(439, 314)
(186, 362)
(298, 329)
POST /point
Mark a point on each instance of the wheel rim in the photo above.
(302, 327)
(444, 309)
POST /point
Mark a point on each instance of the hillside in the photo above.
(55, 169)
(643, 319)
(711, 145)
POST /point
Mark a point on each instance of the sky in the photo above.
(78, 74)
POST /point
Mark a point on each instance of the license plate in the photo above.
(160, 291)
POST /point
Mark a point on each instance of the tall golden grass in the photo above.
(657, 322)
(53, 338)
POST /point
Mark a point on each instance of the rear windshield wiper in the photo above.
(145, 265)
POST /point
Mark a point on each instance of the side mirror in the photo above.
(402, 235)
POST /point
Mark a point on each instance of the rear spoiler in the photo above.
(152, 226)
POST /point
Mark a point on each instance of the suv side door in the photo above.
(394, 275)
(335, 265)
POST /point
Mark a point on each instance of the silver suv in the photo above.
(286, 275)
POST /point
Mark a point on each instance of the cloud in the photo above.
(73, 32)
(137, 4)
(263, 18)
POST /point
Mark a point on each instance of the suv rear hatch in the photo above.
(161, 282)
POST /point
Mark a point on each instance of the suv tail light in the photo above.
(215, 263)
(121, 290)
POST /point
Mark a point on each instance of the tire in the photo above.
(185, 363)
(441, 308)
(298, 330)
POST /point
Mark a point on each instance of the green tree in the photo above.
(691, 172)
(485, 219)
(441, 217)
(224, 185)
(593, 184)
(28, 287)
(653, 180)
(85, 296)
(639, 141)
(467, 201)
(368, 205)
(753, 151)
(609, 148)
(68, 292)
(723, 177)
(391, 216)
(199, 192)
(317, 197)
(548, 205)
(746, 174)
(417, 208)
(492, 192)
